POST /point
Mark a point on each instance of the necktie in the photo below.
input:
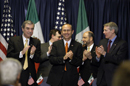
(109, 45)
(26, 56)
(66, 50)
(88, 48)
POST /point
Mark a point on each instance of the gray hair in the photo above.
(9, 69)
(112, 25)
(27, 22)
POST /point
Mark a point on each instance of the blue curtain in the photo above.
(98, 13)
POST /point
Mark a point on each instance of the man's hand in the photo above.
(33, 48)
(100, 51)
(49, 49)
(97, 53)
(68, 55)
(25, 49)
(87, 54)
(84, 58)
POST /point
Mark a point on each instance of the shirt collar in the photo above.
(50, 43)
(67, 42)
(91, 46)
(25, 39)
(113, 39)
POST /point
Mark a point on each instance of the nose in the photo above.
(103, 32)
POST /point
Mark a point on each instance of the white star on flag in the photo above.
(61, 15)
(5, 32)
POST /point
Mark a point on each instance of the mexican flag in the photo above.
(40, 80)
(91, 79)
(33, 16)
(82, 23)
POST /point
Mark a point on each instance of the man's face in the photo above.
(67, 32)
(86, 39)
(57, 36)
(28, 30)
(108, 33)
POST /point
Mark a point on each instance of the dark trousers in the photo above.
(103, 81)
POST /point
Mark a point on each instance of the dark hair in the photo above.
(91, 34)
(53, 32)
(67, 24)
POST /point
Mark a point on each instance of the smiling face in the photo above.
(86, 39)
(28, 30)
(109, 34)
(67, 31)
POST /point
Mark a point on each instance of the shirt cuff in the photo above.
(20, 55)
(82, 63)
(98, 59)
(31, 56)
(47, 54)
(63, 61)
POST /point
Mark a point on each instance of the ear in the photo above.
(22, 29)
(91, 39)
(113, 30)
(72, 31)
(52, 36)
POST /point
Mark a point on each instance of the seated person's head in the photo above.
(122, 75)
(10, 70)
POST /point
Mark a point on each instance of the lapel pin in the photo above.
(71, 45)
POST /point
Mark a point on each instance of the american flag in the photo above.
(61, 15)
(6, 30)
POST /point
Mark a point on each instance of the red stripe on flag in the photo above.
(40, 82)
(1, 59)
(2, 47)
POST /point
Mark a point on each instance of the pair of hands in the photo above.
(68, 55)
(86, 55)
(100, 51)
(33, 48)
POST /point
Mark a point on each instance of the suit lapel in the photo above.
(31, 43)
(105, 44)
(20, 42)
(93, 48)
(114, 45)
(71, 45)
(62, 46)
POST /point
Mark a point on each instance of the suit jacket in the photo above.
(117, 53)
(15, 46)
(57, 72)
(89, 67)
(45, 65)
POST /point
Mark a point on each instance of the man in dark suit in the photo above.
(64, 69)
(90, 65)
(45, 65)
(28, 54)
(111, 52)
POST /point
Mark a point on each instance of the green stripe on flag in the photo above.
(82, 23)
(33, 16)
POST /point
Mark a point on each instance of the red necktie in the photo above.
(66, 50)
(109, 45)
